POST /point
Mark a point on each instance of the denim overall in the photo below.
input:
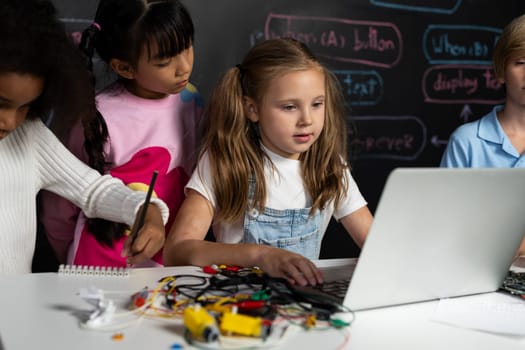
(290, 229)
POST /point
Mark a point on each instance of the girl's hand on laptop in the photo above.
(294, 267)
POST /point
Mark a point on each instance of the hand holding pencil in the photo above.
(148, 234)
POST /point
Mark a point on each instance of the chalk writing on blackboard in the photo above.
(388, 137)
(454, 84)
(465, 44)
(367, 42)
(438, 6)
(362, 87)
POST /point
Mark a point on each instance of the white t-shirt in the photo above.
(285, 190)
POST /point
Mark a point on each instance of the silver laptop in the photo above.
(437, 233)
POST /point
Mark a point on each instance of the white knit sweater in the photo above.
(31, 159)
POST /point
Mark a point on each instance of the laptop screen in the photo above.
(440, 233)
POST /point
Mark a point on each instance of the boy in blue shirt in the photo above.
(497, 140)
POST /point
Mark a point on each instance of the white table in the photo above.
(38, 312)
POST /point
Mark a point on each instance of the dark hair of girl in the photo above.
(122, 29)
(33, 41)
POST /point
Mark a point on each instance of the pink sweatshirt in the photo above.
(144, 135)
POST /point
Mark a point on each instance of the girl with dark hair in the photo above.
(147, 120)
(42, 74)
(273, 168)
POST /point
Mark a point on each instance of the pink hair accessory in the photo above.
(96, 25)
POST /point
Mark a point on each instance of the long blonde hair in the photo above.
(232, 142)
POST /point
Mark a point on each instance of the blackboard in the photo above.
(412, 70)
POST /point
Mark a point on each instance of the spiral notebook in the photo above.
(93, 271)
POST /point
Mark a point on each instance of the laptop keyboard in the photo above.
(514, 283)
(336, 288)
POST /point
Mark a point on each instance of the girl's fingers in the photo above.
(303, 272)
(147, 244)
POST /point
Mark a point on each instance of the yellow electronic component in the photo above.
(243, 325)
(200, 323)
(222, 305)
(310, 321)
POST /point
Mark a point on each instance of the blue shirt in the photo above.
(481, 144)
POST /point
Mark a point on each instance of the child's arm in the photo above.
(357, 224)
(521, 250)
(98, 196)
(185, 245)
